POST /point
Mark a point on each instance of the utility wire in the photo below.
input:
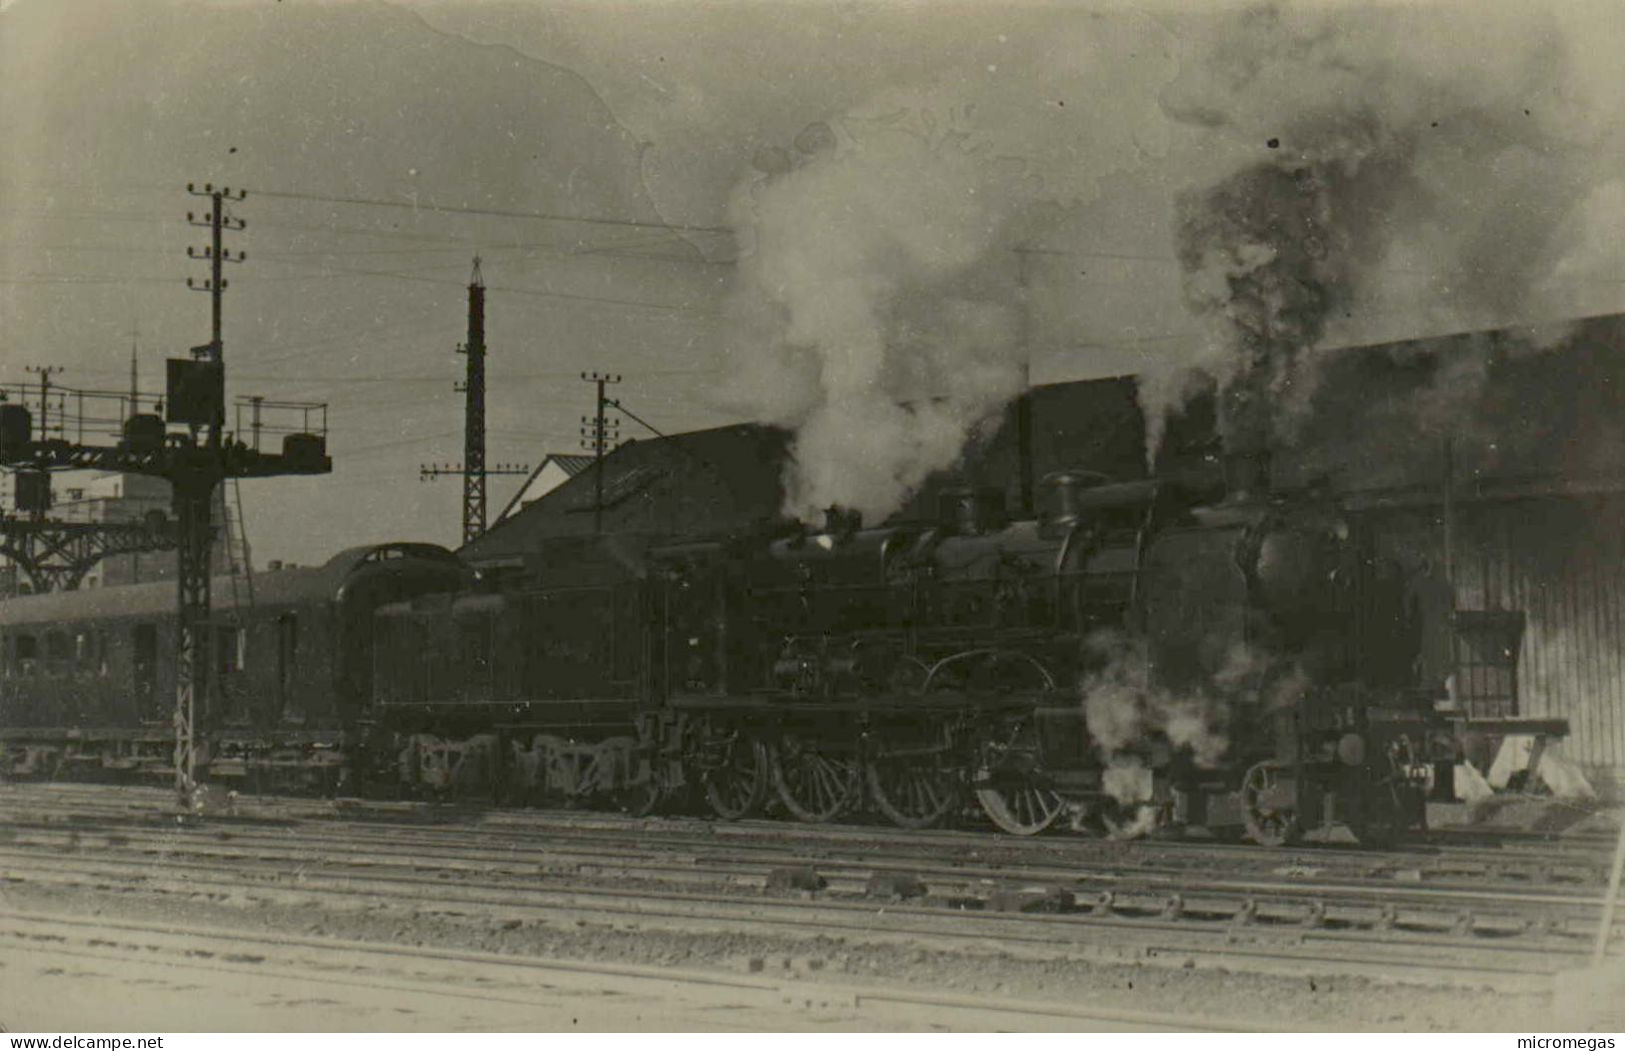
(498, 212)
(635, 417)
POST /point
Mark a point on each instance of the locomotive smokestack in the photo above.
(841, 522)
(1246, 473)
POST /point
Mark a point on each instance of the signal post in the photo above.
(188, 447)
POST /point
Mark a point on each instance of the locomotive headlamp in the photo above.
(1351, 749)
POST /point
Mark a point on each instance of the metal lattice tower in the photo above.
(475, 471)
(474, 412)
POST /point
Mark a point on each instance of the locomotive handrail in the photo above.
(1049, 680)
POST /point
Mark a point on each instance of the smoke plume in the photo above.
(873, 286)
(1384, 169)
(881, 296)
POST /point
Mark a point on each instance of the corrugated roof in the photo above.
(572, 463)
(705, 481)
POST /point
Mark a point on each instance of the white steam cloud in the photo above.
(1344, 174)
(880, 300)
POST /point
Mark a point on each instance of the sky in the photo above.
(798, 211)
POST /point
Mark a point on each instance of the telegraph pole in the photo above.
(44, 372)
(473, 468)
(596, 439)
(34, 487)
(194, 482)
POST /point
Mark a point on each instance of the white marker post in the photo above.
(1605, 929)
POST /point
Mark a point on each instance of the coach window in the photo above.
(58, 651)
(25, 653)
(144, 669)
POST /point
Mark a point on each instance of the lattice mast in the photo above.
(474, 412)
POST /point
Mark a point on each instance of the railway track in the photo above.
(1128, 901)
(1515, 864)
(483, 983)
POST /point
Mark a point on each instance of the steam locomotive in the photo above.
(1137, 654)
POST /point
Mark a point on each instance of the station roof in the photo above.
(1541, 411)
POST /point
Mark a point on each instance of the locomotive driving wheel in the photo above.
(815, 785)
(1269, 806)
(913, 788)
(735, 773)
(1011, 786)
(1010, 783)
(1021, 809)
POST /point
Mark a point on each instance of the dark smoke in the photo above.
(1386, 174)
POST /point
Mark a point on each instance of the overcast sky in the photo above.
(630, 174)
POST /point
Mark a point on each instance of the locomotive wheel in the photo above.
(1271, 822)
(638, 800)
(1010, 783)
(913, 791)
(813, 785)
(736, 783)
(1021, 810)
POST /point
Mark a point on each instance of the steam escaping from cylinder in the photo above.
(1124, 709)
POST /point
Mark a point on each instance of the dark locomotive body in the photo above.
(531, 687)
(1262, 658)
(87, 677)
(1135, 654)
(1259, 662)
